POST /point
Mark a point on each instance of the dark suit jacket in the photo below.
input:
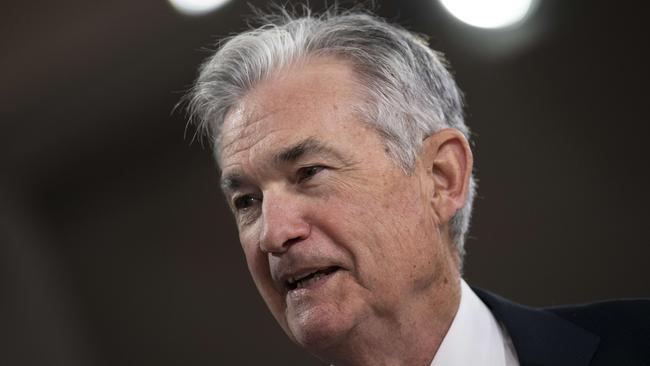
(606, 333)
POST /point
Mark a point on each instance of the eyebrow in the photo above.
(291, 154)
(307, 146)
(231, 183)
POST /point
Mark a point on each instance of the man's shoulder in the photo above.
(602, 333)
(623, 327)
(624, 318)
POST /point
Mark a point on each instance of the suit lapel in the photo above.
(540, 337)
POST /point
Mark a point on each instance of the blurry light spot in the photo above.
(489, 13)
(197, 7)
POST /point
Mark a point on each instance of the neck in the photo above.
(410, 338)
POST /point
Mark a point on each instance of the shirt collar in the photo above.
(474, 337)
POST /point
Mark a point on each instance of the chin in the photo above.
(318, 329)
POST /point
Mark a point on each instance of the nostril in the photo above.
(293, 241)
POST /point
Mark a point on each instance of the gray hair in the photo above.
(409, 92)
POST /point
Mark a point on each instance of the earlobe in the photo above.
(449, 160)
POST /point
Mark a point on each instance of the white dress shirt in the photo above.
(475, 337)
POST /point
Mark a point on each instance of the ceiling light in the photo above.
(489, 13)
(197, 7)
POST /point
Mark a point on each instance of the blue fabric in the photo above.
(607, 333)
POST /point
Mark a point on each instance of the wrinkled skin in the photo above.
(341, 202)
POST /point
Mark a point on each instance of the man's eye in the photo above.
(307, 172)
(244, 202)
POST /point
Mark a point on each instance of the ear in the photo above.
(448, 159)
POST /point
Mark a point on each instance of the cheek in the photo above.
(258, 266)
(355, 225)
(257, 263)
(384, 232)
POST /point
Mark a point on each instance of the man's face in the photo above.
(338, 239)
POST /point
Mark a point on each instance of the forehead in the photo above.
(315, 99)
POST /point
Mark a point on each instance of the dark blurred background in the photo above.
(116, 247)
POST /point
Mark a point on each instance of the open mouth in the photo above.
(310, 278)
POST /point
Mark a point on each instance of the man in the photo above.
(345, 160)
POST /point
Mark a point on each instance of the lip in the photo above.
(312, 285)
(288, 280)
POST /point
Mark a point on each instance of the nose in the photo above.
(283, 223)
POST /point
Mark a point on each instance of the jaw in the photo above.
(321, 313)
(346, 330)
(375, 335)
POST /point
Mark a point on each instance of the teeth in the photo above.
(293, 280)
(308, 279)
(314, 278)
